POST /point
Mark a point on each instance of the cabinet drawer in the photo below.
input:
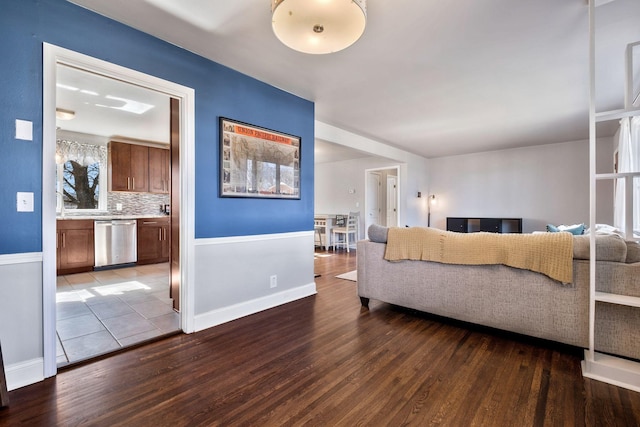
(457, 224)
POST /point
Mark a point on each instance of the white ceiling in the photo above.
(326, 152)
(434, 78)
(98, 104)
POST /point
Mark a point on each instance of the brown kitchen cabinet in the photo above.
(154, 236)
(159, 170)
(75, 247)
(128, 167)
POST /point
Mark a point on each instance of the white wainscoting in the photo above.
(232, 275)
(21, 318)
(24, 373)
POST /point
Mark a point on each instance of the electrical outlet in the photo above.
(273, 281)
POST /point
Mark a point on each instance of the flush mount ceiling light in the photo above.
(129, 105)
(63, 114)
(318, 26)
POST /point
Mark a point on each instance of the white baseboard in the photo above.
(24, 373)
(227, 314)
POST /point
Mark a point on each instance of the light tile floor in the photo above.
(102, 311)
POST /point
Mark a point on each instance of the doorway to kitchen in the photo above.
(113, 186)
(125, 301)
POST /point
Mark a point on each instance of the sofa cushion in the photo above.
(608, 248)
(377, 233)
(633, 252)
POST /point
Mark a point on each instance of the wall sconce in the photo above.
(431, 201)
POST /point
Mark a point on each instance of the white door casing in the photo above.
(373, 199)
(53, 55)
(392, 201)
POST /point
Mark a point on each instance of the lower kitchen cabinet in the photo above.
(153, 240)
(75, 247)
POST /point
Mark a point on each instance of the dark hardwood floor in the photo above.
(325, 361)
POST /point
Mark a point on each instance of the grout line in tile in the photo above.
(153, 274)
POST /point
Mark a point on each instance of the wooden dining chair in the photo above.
(319, 226)
(351, 228)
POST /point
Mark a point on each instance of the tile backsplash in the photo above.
(136, 203)
(133, 204)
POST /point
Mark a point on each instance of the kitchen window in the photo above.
(81, 175)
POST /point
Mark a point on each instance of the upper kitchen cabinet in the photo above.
(128, 167)
(138, 168)
(159, 170)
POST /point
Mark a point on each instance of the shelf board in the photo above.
(618, 299)
(606, 116)
(612, 370)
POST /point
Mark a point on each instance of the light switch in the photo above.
(24, 130)
(25, 202)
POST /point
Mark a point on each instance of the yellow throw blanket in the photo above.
(548, 253)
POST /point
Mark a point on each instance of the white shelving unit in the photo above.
(610, 369)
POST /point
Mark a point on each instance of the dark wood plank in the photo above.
(326, 360)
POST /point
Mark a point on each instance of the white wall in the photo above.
(542, 184)
(232, 274)
(21, 329)
(333, 180)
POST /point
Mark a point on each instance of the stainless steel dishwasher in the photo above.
(115, 242)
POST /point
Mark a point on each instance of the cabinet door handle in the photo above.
(149, 222)
(64, 240)
(159, 233)
(133, 183)
(128, 183)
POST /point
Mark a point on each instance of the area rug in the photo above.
(317, 255)
(352, 275)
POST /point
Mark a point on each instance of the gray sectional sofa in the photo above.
(511, 299)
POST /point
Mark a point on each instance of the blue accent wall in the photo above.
(219, 92)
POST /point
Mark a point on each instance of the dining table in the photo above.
(331, 221)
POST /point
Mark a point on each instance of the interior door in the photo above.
(174, 262)
(392, 201)
(374, 187)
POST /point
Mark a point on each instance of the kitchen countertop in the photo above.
(109, 217)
